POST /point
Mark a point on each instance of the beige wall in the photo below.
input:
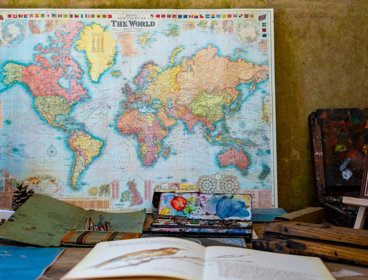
(321, 52)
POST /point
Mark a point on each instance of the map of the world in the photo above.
(99, 107)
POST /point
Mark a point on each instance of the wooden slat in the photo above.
(362, 212)
(306, 215)
(319, 232)
(329, 252)
(360, 219)
(355, 201)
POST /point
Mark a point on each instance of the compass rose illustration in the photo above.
(51, 151)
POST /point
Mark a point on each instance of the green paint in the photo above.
(189, 209)
(340, 148)
(355, 121)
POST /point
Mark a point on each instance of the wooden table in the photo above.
(72, 256)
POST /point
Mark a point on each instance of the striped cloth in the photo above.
(91, 238)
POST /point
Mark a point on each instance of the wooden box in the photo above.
(339, 146)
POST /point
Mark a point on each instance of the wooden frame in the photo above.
(162, 155)
(364, 188)
(339, 138)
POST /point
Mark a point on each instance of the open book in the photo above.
(170, 257)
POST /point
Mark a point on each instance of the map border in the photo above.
(269, 12)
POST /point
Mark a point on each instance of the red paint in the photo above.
(323, 115)
(352, 153)
(178, 203)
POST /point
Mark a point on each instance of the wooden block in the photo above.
(306, 215)
(360, 219)
(325, 251)
(355, 201)
(323, 233)
(362, 212)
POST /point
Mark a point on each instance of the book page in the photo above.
(164, 257)
(235, 263)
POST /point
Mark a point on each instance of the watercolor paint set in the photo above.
(203, 214)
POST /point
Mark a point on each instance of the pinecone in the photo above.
(20, 196)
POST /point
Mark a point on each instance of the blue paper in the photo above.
(25, 262)
(261, 215)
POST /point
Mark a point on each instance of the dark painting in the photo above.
(339, 138)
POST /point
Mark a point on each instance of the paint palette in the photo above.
(206, 206)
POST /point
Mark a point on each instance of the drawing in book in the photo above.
(138, 257)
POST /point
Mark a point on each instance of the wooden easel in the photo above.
(361, 202)
(362, 212)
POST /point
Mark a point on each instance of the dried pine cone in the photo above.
(20, 196)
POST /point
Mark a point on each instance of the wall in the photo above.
(321, 52)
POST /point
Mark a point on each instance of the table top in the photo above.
(72, 255)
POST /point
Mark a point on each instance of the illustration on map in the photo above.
(98, 107)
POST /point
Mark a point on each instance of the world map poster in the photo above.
(98, 107)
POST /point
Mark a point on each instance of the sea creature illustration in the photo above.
(140, 256)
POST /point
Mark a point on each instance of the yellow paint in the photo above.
(246, 198)
(165, 211)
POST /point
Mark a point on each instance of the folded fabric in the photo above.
(44, 221)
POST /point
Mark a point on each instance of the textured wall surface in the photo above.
(321, 52)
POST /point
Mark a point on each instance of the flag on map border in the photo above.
(262, 17)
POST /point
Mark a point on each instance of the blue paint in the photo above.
(230, 207)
